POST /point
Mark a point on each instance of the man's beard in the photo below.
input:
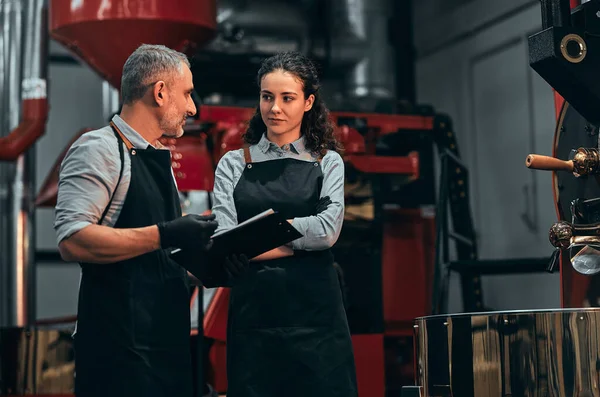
(170, 128)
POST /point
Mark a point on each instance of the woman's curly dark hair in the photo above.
(317, 128)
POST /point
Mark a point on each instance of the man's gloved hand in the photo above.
(322, 204)
(236, 265)
(187, 231)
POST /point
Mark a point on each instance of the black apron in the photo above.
(133, 324)
(287, 329)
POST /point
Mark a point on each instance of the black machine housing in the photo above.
(566, 54)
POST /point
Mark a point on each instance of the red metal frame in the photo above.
(389, 123)
(194, 166)
(407, 268)
(408, 165)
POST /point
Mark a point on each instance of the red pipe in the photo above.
(575, 3)
(32, 126)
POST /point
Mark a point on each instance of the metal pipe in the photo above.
(110, 101)
(34, 106)
(25, 66)
(361, 28)
(248, 26)
(10, 91)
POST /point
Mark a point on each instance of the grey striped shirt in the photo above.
(320, 231)
(89, 174)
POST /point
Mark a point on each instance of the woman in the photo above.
(287, 330)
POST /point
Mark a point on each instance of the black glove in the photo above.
(322, 204)
(187, 231)
(236, 265)
(210, 271)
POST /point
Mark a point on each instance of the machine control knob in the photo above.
(564, 234)
(560, 235)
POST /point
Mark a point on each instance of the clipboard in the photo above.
(255, 236)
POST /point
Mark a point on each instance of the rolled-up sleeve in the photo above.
(226, 176)
(88, 175)
(322, 230)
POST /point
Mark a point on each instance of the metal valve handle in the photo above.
(585, 162)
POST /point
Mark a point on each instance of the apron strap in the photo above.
(320, 158)
(125, 140)
(247, 157)
(122, 157)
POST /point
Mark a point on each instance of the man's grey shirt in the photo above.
(88, 176)
(320, 231)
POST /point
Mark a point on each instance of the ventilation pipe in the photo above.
(23, 114)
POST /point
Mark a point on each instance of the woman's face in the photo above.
(282, 105)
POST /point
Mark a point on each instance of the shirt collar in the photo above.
(265, 144)
(134, 137)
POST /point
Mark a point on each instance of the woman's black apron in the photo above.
(287, 329)
(133, 325)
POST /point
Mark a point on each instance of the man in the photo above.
(118, 214)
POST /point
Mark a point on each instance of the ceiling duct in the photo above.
(260, 27)
(360, 39)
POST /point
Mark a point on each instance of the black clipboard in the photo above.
(255, 236)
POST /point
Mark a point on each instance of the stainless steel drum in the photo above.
(37, 361)
(538, 353)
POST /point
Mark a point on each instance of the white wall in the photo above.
(474, 67)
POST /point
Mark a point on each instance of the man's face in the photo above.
(179, 104)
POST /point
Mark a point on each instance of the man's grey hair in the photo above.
(146, 65)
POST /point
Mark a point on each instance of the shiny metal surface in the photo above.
(11, 41)
(38, 361)
(539, 353)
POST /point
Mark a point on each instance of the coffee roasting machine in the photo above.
(540, 352)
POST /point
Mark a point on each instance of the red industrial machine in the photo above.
(386, 249)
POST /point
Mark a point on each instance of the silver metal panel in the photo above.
(540, 353)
